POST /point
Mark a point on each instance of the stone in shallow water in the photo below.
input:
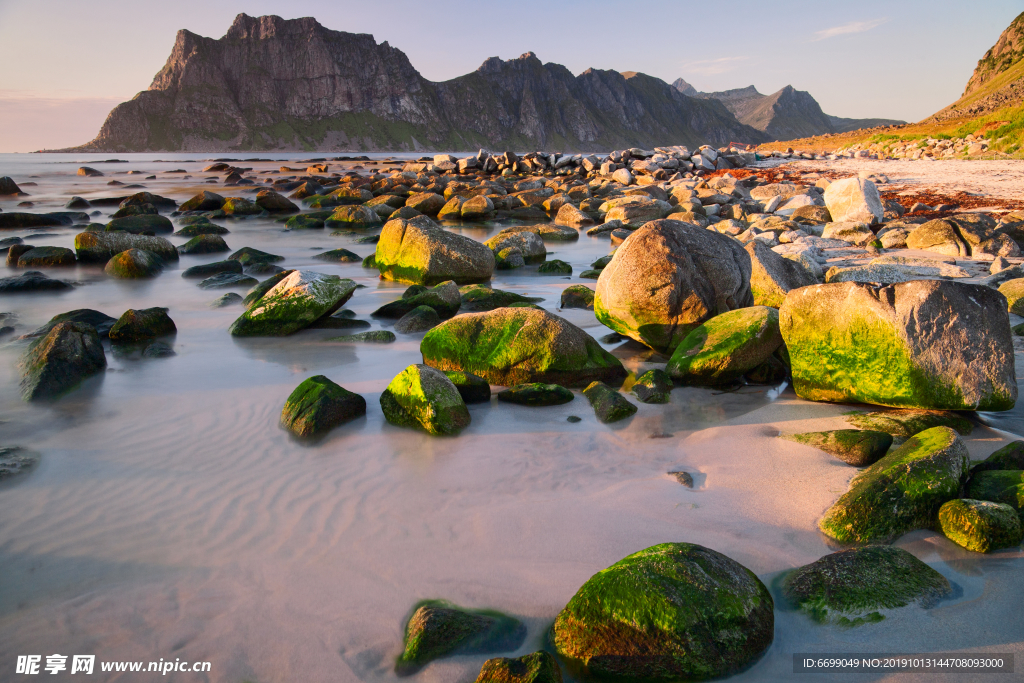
(134, 264)
(855, 447)
(536, 394)
(100, 321)
(15, 460)
(444, 298)
(147, 323)
(609, 405)
(654, 386)
(577, 296)
(204, 244)
(208, 269)
(228, 279)
(318, 405)
(425, 398)
(31, 281)
(419, 319)
(903, 424)
(1009, 457)
(229, 299)
(372, 336)
(292, 304)
(539, 667)
(555, 267)
(725, 347)
(998, 486)
(479, 298)
(980, 525)
(339, 256)
(473, 389)
(41, 257)
(58, 362)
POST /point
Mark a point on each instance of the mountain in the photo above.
(785, 115)
(277, 84)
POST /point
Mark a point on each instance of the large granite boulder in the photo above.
(722, 349)
(961, 238)
(635, 210)
(294, 303)
(510, 346)
(318, 405)
(99, 247)
(668, 278)
(675, 611)
(772, 275)
(424, 398)
(854, 199)
(204, 201)
(529, 244)
(422, 252)
(54, 364)
(272, 202)
(925, 344)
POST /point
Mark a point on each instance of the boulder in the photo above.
(901, 492)
(425, 398)
(138, 325)
(208, 269)
(849, 231)
(99, 247)
(438, 629)
(17, 219)
(227, 279)
(248, 256)
(31, 281)
(981, 525)
(961, 238)
(9, 187)
(202, 228)
(56, 363)
(773, 276)
(473, 389)
(478, 298)
(139, 224)
(133, 264)
(318, 405)
(608, 404)
(848, 587)
(204, 201)
(667, 279)
(903, 424)
(654, 386)
(100, 321)
(856, 447)
(571, 216)
(476, 208)
(722, 349)
(536, 394)
(240, 206)
(272, 202)
(530, 245)
(444, 298)
(635, 211)
(555, 267)
(427, 203)
(370, 336)
(257, 292)
(294, 303)
(419, 319)
(674, 611)
(339, 256)
(420, 251)
(854, 199)
(539, 667)
(510, 346)
(204, 244)
(356, 217)
(577, 296)
(890, 273)
(42, 257)
(935, 344)
(998, 486)
(1009, 457)
(1013, 290)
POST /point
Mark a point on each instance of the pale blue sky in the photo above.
(68, 62)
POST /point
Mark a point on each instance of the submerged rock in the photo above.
(339, 256)
(294, 303)
(981, 525)
(654, 386)
(926, 344)
(204, 244)
(248, 256)
(56, 363)
(420, 251)
(609, 405)
(371, 336)
(425, 398)
(901, 492)
(145, 323)
(539, 667)
(675, 611)
(577, 296)
(31, 281)
(850, 586)
(204, 201)
(100, 247)
(445, 299)
(134, 264)
(229, 299)
(509, 346)
(555, 267)
(855, 447)
(419, 319)
(208, 269)
(1009, 457)
(478, 298)
(227, 279)
(726, 347)
(41, 257)
(318, 405)
(15, 460)
(998, 486)
(141, 223)
(100, 321)
(536, 394)
(473, 389)
(903, 424)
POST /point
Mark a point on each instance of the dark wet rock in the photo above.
(339, 256)
(654, 386)
(56, 363)
(9, 187)
(998, 486)
(903, 424)
(229, 299)
(353, 217)
(536, 394)
(555, 267)
(31, 281)
(307, 221)
(142, 198)
(15, 252)
(1009, 457)
(772, 371)
(850, 586)
(208, 269)
(228, 279)
(577, 296)
(419, 319)
(602, 262)
(574, 419)
(90, 172)
(981, 525)
(590, 274)
(201, 228)
(263, 268)
(145, 323)
(204, 244)
(609, 405)
(240, 206)
(204, 201)
(265, 286)
(722, 349)
(539, 667)
(684, 478)
(15, 460)
(272, 202)
(13, 219)
(478, 298)
(135, 210)
(99, 247)
(473, 389)
(901, 492)
(424, 398)
(41, 257)
(7, 242)
(318, 405)
(370, 261)
(248, 255)
(856, 447)
(372, 337)
(444, 298)
(158, 349)
(530, 245)
(134, 263)
(141, 224)
(101, 322)
(77, 203)
(294, 303)
(675, 611)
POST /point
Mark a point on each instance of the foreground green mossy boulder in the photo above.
(1009, 457)
(56, 363)
(998, 486)
(510, 346)
(654, 386)
(536, 394)
(138, 325)
(722, 349)
(981, 525)
(539, 667)
(439, 629)
(856, 447)
(424, 398)
(903, 424)
(318, 405)
(479, 298)
(294, 303)
(675, 611)
(257, 292)
(445, 299)
(608, 404)
(849, 587)
(420, 251)
(934, 344)
(901, 492)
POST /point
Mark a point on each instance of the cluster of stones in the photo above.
(925, 148)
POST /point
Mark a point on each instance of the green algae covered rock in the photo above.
(56, 363)
(856, 447)
(998, 486)
(473, 389)
(319, 405)
(240, 206)
(134, 264)
(675, 611)
(903, 424)
(536, 394)
(99, 247)
(439, 629)
(204, 227)
(850, 586)
(204, 244)
(577, 296)
(419, 319)
(294, 303)
(981, 525)
(339, 256)
(539, 667)
(257, 292)
(425, 398)
(935, 344)
(204, 201)
(477, 298)
(357, 217)
(248, 256)
(555, 267)
(420, 251)
(510, 346)
(445, 299)
(772, 276)
(654, 386)
(901, 492)
(1009, 457)
(725, 347)
(609, 405)
(307, 221)
(530, 245)
(145, 323)
(1013, 290)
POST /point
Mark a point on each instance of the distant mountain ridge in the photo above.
(277, 84)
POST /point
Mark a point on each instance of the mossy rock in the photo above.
(294, 303)
(247, 256)
(140, 224)
(849, 587)
(903, 424)
(478, 298)
(539, 667)
(261, 288)
(370, 336)
(339, 256)
(654, 386)
(555, 267)
(145, 323)
(536, 394)
(322, 201)
(600, 263)
(229, 299)
(444, 298)
(725, 347)
(510, 346)
(577, 296)
(1018, 330)
(981, 525)
(424, 398)
(204, 244)
(306, 221)
(1009, 457)
(240, 206)
(901, 492)
(856, 447)
(202, 228)
(355, 217)
(439, 629)
(370, 261)
(675, 611)
(204, 201)
(590, 274)
(1013, 290)
(98, 320)
(998, 486)
(134, 264)
(100, 247)
(420, 251)
(772, 371)
(609, 405)
(473, 389)
(318, 405)
(208, 269)
(419, 319)
(509, 258)
(49, 257)
(58, 362)
(227, 279)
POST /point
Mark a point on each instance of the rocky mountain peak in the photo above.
(684, 87)
(1007, 51)
(269, 26)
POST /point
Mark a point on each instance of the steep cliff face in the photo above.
(272, 83)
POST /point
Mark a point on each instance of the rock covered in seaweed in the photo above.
(981, 525)
(654, 386)
(424, 398)
(318, 405)
(56, 363)
(100, 247)
(420, 251)
(295, 302)
(134, 264)
(146, 323)
(536, 394)
(608, 404)
(856, 447)
(539, 667)
(725, 347)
